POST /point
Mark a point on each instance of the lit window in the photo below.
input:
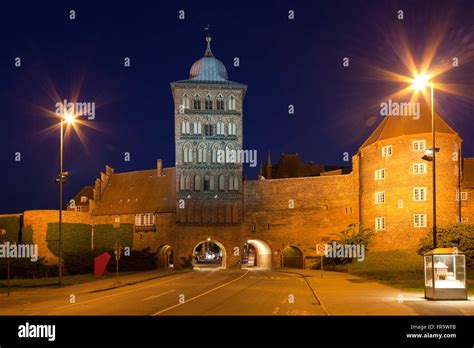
(78, 208)
(231, 102)
(221, 183)
(187, 153)
(380, 174)
(419, 145)
(419, 194)
(419, 168)
(380, 223)
(232, 128)
(387, 151)
(197, 128)
(419, 220)
(83, 199)
(202, 154)
(117, 219)
(185, 102)
(185, 129)
(379, 197)
(463, 196)
(147, 219)
(220, 128)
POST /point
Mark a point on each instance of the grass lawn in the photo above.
(400, 269)
(52, 282)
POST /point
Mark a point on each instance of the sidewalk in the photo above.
(20, 297)
(347, 294)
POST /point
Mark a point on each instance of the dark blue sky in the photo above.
(283, 62)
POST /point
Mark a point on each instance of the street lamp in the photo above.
(419, 82)
(69, 119)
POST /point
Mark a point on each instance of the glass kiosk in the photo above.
(445, 274)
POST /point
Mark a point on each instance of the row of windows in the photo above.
(208, 184)
(209, 129)
(417, 145)
(417, 168)
(419, 220)
(147, 219)
(209, 102)
(229, 155)
(419, 194)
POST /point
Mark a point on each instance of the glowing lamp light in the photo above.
(420, 81)
(69, 118)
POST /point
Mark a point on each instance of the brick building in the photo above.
(186, 211)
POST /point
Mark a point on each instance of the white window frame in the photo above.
(419, 220)
(419, 145)
(78, 208)
(146, 219)
(379, 174)
(387, 151)
(380, 223)
(379, 197)
(117, 219)
(419, 194)
(464, 196)
(419, 168)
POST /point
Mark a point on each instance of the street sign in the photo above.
(321, 249)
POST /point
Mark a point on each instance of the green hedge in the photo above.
(24, 268)
(76, 237)
(105, 236)
(12, 225)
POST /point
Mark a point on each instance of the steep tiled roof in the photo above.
(468, 172)
(394, 126)
(138, 192)
(86, 191)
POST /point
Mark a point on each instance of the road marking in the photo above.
(156, 296)
(119, 293)
(200, 295)
(275, 311)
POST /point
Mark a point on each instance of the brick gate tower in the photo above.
(208, 141)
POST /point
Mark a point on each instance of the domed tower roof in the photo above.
(395, 126)
(208, 68)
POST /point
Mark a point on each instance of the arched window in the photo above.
(230, 154)
(208, 103)
(220, 102)
(187, 153)
(197, 127)
(185, 127)
(197, 103)
(220, 128)
(221, 183)
(197, 183)
(236, 183)
(232, 128)
(185, 102)
(215, 153)
(231, 102)
(231, 183)
(202, 153)
(211, 184)
(188, 183)
(182, 182)
(207, 183)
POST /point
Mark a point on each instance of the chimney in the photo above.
(159, 167)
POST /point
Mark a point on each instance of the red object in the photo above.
(100, 264)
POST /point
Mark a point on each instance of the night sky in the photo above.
(282, 61)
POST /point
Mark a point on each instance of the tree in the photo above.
(460, 235)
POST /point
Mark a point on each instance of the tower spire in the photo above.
(208, 40)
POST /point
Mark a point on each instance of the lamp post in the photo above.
(68, 118)
(419, 82)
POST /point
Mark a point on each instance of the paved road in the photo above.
(207, 292)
